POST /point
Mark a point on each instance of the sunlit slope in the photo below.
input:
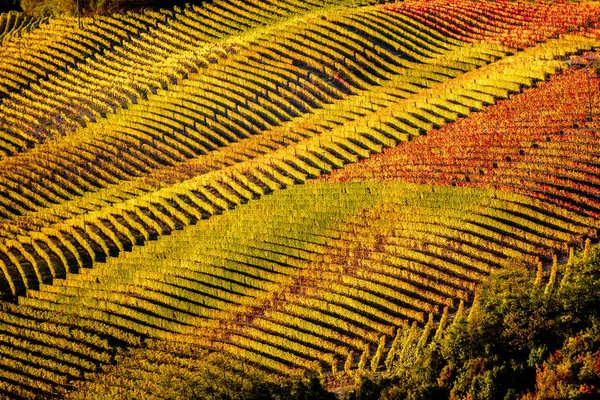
(515, 24)
(542, 144)
(59, 77)
(14, 24)
(129, 178)
(156, 215)
(302, 277)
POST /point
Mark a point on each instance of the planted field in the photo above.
(144, 157)
(15, 24)
(138, 174)
(541, 144)
(364, 260)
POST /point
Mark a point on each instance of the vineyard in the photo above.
(302, 185)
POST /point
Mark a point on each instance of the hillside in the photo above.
(153, 166)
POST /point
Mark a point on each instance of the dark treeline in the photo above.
(39, 8)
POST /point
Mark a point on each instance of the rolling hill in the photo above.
(292, 183)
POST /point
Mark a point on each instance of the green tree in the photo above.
(579, 293)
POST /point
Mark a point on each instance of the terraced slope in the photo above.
(75, 76)
(222, 113)
(140, 174)
(307, 274)
(541, 144)
(515, 24)
(14, 24)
